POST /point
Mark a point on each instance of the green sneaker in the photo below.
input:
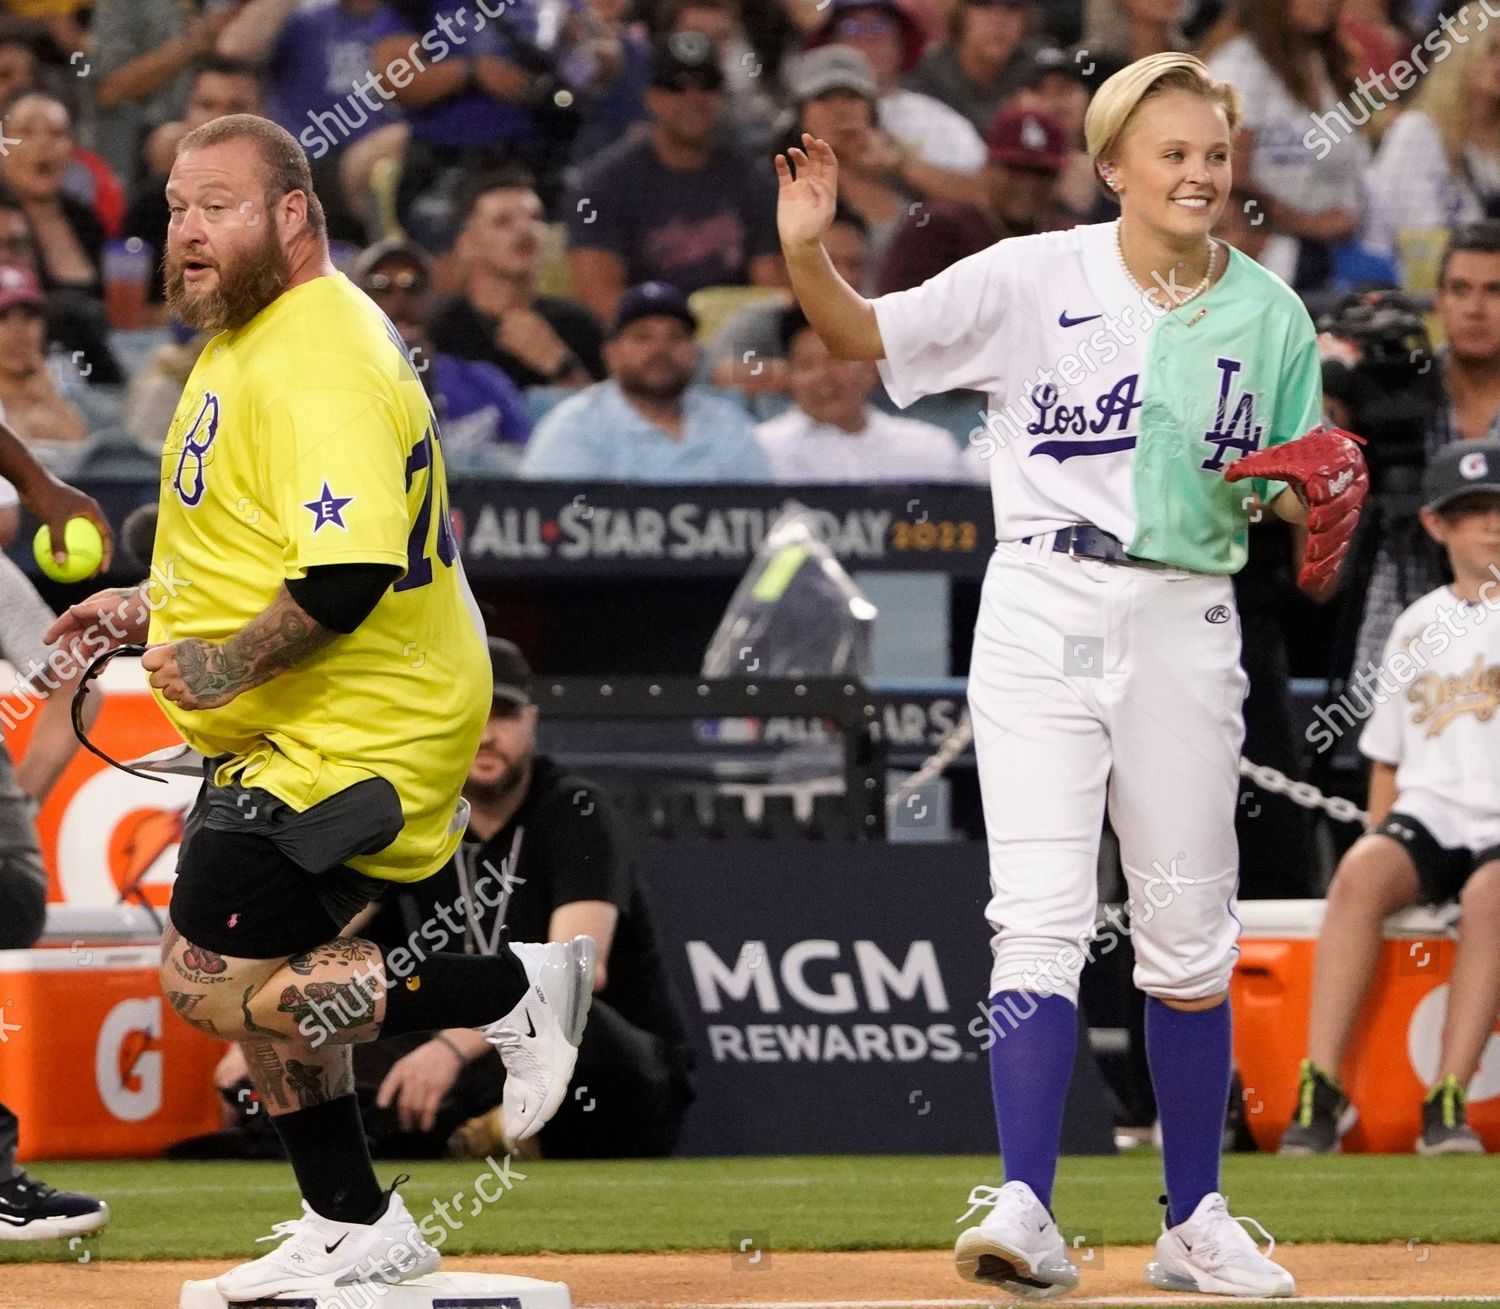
(1323, 1114)
(1445, 1121)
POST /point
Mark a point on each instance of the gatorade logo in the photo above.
(127, 1071)
(1424, 1042)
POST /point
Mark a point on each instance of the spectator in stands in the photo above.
(42, 122)
(18, 65)
(561, 856)
(648, 423)
(220, 87)
(1376, 35)
(1286, 58)
(76, 325)
(33, 406)
(747, 353)
(1132, 29)
(941, 140)
(620, 105)
(1027, 152)
(751, 72)
(834, 98)
(314, 56)
(832, 433)
(1407, 564)
(984, 61)
(1058, 87)
(483, 104)
(677, 204)
(1439, 163)
(480, 411)
(1434, 803)
(143, 52)
(30, 1210)
(68, 234)
(500, 315)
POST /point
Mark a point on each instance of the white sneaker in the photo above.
(1212, 1254)
(1017, 1247)
(319, 1255)
(538, 1039)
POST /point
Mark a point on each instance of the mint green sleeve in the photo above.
(1299, 398)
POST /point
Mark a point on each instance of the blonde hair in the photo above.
(1114, 104)
(1447, 98)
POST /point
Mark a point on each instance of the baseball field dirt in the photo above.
(1326, 1273)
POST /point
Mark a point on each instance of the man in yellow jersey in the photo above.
(325, 655)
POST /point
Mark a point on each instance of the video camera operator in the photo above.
(1409, 402)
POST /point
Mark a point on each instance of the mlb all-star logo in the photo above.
(328, 508)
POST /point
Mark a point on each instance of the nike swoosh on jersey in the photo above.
(530, 1026)
(1064, 321)
(329, 1249)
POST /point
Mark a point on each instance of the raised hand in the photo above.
(809, 188)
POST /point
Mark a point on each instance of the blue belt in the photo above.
(1085, 541)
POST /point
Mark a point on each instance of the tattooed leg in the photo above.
(205, 988)
(334, 995)
(290, 1078)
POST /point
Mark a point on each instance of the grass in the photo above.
(213, 1210)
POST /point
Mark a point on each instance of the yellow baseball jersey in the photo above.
(306, 438)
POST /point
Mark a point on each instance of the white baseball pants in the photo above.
(1094, 682)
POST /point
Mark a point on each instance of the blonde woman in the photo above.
(1132, 368)
(1439, 165)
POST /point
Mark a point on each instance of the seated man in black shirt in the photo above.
(500, 315)
(544, 859)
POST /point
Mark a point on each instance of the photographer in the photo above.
(544, 855)
(1458, 398)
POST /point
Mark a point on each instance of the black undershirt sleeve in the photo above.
(342, 596)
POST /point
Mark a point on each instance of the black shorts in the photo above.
(257, 879)
(1442, 870)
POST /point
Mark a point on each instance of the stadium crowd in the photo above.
(507, 177)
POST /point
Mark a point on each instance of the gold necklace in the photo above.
(1208, 277)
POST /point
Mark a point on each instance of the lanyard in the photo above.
(508, 881)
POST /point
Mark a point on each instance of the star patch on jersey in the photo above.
(329, 508)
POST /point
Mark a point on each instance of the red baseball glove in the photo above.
(1327, 471)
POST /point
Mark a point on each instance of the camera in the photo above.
(1390, 385)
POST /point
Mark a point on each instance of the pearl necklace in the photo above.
(1208, 277)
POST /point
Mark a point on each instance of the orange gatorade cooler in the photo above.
(1393, 1057)
(93, 1060)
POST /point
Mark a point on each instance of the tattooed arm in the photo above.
(199, 674)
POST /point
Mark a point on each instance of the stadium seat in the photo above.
(555, 276)
(713, 306)
(113, 456)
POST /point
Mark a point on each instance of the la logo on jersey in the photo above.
(188, 481)
(1235, 430)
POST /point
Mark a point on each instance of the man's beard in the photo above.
(492, 793)
(244, 288)
(638, 386)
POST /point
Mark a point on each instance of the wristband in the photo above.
(458, 1054)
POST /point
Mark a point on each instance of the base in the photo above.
(435, 1291)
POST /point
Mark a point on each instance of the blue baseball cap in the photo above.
(650, 299)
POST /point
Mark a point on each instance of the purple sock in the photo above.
(1190, 1066)
(1031, 1064)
